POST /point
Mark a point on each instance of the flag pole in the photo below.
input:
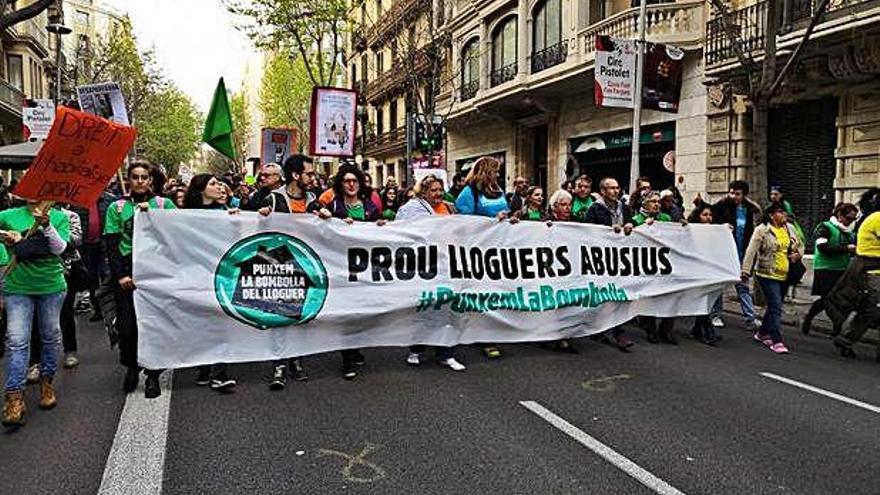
(634, 167)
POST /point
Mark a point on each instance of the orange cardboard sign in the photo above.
(78, 159)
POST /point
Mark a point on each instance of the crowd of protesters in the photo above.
(59, 260)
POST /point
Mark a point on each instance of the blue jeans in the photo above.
(20, 309)
(774, 290)
(745, 303)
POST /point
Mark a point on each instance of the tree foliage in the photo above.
(313, 29)
(241, 125)
(285, 94)
(169, 128)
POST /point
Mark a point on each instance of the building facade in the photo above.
(523, 92)
(90, 21)
(28, 58)
(824, 121)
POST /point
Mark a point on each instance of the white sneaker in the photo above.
(413, 359)
(70, 360)
(717, 322)
(33, 374)
(452, 364)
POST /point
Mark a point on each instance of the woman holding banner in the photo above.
(351, 203)
(649, 212)
(534, 207)
(118, 231)
(35, 237)
(483, 196)
(428, 202)
(207, 192)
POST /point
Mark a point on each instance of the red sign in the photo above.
(77, 161)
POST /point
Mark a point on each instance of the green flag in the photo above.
(218, 126)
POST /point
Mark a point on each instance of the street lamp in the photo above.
(60, 30)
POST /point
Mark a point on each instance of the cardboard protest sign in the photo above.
(105, 100)
(78, 160)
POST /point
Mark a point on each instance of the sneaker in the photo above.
(779, 348)
(763, 339)
(203, 378)
(359, 359)
(70, 360)
(33, 373)
(413, 359)
(151, 386)
(278, 381)
(222, 383)
(297, 371)
(717, 322)
(349, 371)
(622, 343)
(492, 352)
(452, 364)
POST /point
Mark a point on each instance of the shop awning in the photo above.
(20, 155)
(623, 139)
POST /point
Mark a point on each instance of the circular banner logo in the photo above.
(271, 280)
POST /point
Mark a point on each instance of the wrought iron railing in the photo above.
(802, 10)
(550, 56)
(748, 29)
(503, 74)
(469, 89)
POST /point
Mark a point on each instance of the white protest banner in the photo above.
(332, 122)
(219, 288)
(37, 119)
(615, 75)
(104, 100)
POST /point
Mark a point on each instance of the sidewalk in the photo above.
(793, 310)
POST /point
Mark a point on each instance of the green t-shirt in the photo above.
(388, 214)
(580, 206)
(533, 215)
(641, 218)
(356, 212)
(121, 220)
(42, 276)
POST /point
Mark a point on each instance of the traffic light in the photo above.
(428, 141)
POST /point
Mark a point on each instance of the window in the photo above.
(81, 17)
(14, 71)
(392, 116)
(363, 15)
(504, 51)
(364, 77)
(470, 69)
(548, 47)
(354, 75)
(380, 121)
(380, 65)
(378, 10)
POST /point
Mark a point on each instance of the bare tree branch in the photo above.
(9, 19)
(814, 20)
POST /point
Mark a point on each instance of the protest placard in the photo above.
(77, 161)
(104, 100)
(332, 122)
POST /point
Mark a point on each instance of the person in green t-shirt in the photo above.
(582, 199)
(648, 214)
(35, 236)
(533, 209)
(118, 230)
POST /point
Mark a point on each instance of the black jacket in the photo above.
(724, 212)
(600, 215)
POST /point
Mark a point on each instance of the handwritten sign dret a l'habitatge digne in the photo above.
(78, 160)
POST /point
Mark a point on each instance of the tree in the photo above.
(241, 126)
(763, 82)
(169, 129)
(118, 59)
(286, 94)
(11, 16)
(314, 30)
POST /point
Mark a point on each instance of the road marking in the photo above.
(627, 466)
(355, 461)
(604, 384)
(136, 463)
(826, 393)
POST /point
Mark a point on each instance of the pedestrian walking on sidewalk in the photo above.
(770, 256)
(118, 231)
(834, 246)
(429, 202)
(34, 285)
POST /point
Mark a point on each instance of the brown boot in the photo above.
(13, 411)
(47, 393)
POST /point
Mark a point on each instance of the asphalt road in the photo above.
(696, 419)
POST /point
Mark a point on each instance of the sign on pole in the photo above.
(664, 65)
(276, 145)
(615, 72)
(332, 122)
(37, 119)
(80, 156)
(104, 100)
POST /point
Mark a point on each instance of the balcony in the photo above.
(34, 30)
(469, 89)
(802, 10)
(549, 57)
(503, 74)
(749, 26)
(400, 15)
(386, 143)
(414, 65)
(678, 24)
(11, 98)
